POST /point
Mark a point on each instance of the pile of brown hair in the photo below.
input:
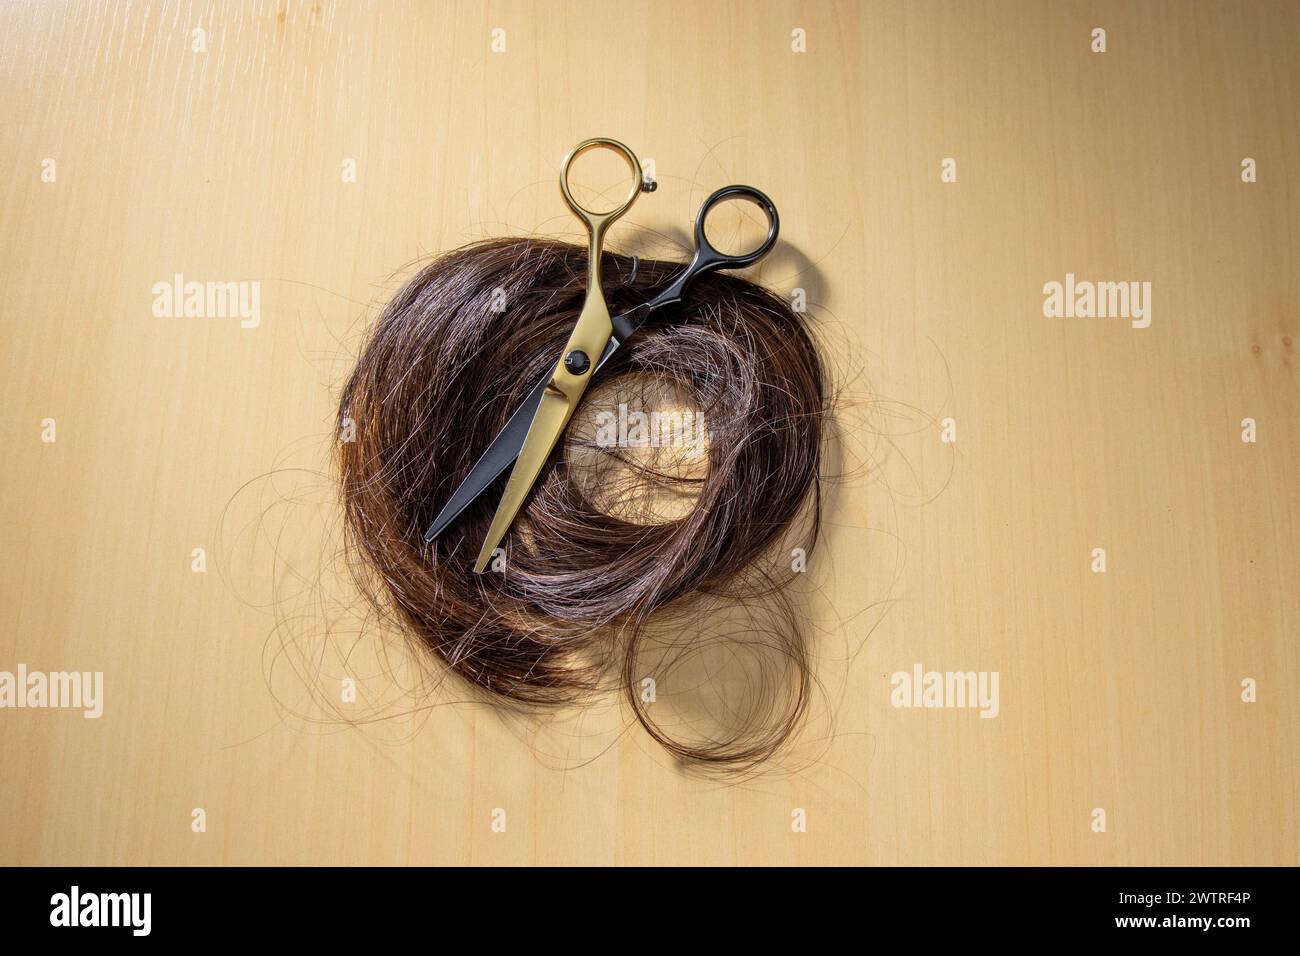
(623, 562)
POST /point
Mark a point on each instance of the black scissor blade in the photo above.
(625, 327)
(499, 456)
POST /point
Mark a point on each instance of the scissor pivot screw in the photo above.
(577, 362)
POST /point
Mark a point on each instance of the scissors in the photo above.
(535, 427)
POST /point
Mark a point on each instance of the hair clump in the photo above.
(591, 596)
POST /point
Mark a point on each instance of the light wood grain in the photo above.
(1118, 690)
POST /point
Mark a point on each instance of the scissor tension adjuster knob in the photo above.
(577, 362)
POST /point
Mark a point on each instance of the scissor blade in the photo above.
(492, 463)
(553, 414)
(503, 451)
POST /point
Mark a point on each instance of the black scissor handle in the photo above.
(707, 256)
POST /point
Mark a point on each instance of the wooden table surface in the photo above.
(136, 149)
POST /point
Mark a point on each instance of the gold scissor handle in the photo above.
(572, 373)
(598, 222)
(592, 332)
